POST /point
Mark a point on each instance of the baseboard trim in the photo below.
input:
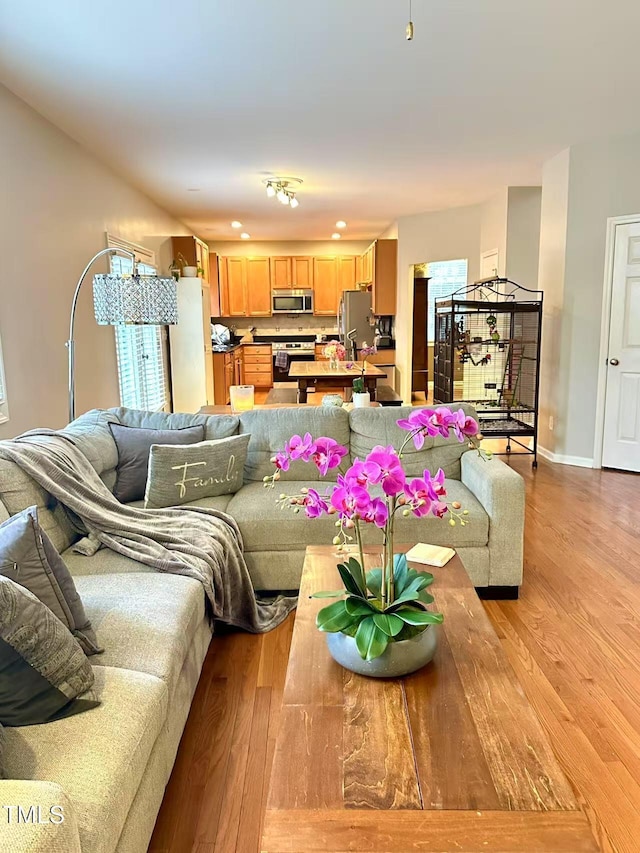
(562, 459)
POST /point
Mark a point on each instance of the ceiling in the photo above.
(215, 96)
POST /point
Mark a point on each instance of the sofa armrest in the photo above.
(36, 817)
(500, 490)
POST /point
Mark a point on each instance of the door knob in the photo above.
(614, 362)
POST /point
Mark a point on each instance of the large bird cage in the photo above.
(487, 353)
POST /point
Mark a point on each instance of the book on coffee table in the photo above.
(430, 555)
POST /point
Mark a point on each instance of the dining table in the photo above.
(324, 375)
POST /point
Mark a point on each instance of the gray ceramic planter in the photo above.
(397, 659)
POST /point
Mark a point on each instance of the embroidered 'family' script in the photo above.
(200, 482)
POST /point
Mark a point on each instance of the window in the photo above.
(4, 407)
(141, 352)
(445, 277)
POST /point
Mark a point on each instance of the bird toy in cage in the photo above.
(492, 323)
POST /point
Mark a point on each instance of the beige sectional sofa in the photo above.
(108, 767)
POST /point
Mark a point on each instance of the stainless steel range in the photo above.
(293, 351)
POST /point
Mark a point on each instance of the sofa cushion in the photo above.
(43, 669)
(181, 475)
(97, 758)
(145, 622)
(134, 448)
(370, 427)
(103, 562)
(18, 491)
(28, 558)
(266, 527)
(271, 428)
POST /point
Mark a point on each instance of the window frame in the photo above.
(431, 297)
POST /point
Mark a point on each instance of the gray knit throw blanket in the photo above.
(204, 544)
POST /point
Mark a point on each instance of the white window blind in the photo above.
(445, 277)
(142, 371)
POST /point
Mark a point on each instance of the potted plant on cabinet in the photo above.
(380, 625)
(361, 397)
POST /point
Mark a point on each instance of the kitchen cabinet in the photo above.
(194, 251)
(302, 272)
(346, 272)
(379, 268)
(245, 287)
(258, 287)
(319, 352)
(281, 273)
(214, 285)
(192, 378)
(325, 286)
(258, 365)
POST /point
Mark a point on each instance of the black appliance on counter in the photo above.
(384, 332)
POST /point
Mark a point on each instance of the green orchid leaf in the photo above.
(410, 631)
(400, 572)
(334, 617)
(419, 617)
(389, 623)
(374, 581)
(359, 607)
(351, 583)
(410, 592)
(370, 640)
(425, 597)
(426, 579)
(329, 593)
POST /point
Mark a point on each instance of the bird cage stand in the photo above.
(487, 353)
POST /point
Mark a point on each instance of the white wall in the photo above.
(57, 203)
(436, 236)
(604, 181)
(292, 247)
(553, 244)
(522, 244)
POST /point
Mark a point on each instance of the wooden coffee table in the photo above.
(451, 758)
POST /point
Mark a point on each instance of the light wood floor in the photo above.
(573, 638)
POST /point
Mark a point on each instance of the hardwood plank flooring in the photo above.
(573, 639)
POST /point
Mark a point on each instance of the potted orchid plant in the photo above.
(380, 623)
(335, 352)
(361, 397)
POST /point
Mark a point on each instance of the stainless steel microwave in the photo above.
(292, 301)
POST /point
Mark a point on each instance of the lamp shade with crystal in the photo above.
(136, 300)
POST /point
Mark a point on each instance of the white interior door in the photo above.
(621, 448)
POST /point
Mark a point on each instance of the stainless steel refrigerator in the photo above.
(354, 315)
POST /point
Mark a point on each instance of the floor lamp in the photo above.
(122, 300)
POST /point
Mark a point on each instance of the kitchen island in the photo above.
(323, 376)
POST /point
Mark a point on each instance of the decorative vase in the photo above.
(333, 362)
(396, 660)
(361, 400)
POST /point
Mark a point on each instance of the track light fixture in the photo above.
(283, 189)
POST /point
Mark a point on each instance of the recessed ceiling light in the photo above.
(236, 224)
(341, 223)
(336, 236)
(193, 190)
(245, 236)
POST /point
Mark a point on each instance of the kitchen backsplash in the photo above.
(272, 325)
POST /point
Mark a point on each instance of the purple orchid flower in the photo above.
(350, 499)
(376, 513)
(464, 426)
(314, 504)
(300, 448)
(386, 469)
(423, 493)
(281, 460)
(361, 472)
(327, 453)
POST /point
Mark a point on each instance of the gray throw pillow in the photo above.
(181, 474)
(43, 670)
(28, 557)
(134, 445)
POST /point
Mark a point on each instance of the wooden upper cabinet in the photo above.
(385, 276)
(325, 286)
(359, 277)
(302, 272)
(258, 278)
(346, 273)
(235, 287)
(214, 279)
(281, 273)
